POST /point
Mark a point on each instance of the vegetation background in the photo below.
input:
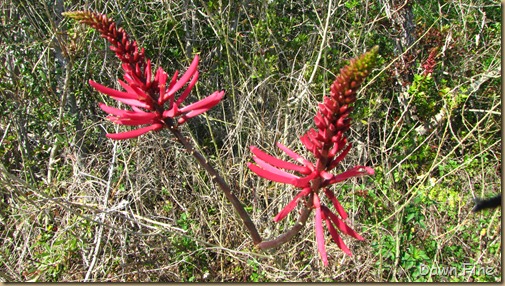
(76, 206)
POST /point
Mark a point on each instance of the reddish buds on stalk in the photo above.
(430, 63)
(328, 143)
(152, 99)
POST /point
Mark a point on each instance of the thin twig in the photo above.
(320, 52)
(102, 215)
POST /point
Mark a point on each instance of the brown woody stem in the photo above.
(220, 181)
(300, 222)
(285, 237)
(237, 204)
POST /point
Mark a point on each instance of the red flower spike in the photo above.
(325, 142)
(139, 83)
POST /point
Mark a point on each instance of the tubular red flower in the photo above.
(289, 207)
(336, 203)
(318, 226)
(312, 136)
(204, 104)
(278, 162)
(188, 89)
(307, 143)
(269, 172)
(354, 172)
(134, 133)
(161, 77)
(335, 236)
(112, 92)
(344, 228)
(271, 176)
(125, 113)
(269, 168)
(207, 103)
(295, 156)
(184, 79)
(340, 157)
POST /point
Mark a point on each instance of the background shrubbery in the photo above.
(434, 141)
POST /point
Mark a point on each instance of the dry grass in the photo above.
(142, 210)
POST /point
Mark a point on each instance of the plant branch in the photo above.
(216, 177)
(237, 204)
(285, 237)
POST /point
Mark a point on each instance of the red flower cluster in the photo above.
(429, 64)
(152, 100)
(329, 146)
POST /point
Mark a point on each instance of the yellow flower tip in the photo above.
(370, 57)
(77, 15)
